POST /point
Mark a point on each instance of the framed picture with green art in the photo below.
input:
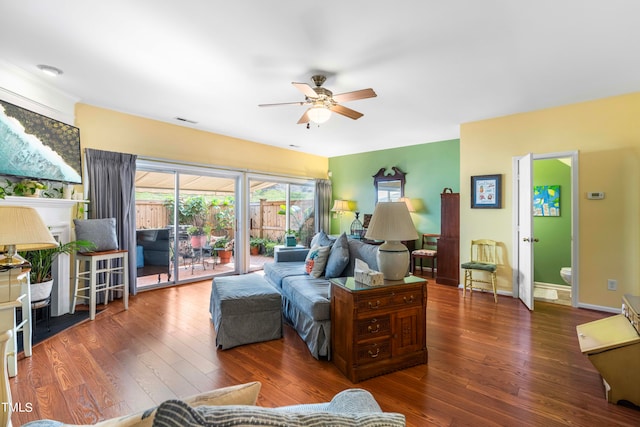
(546, 200)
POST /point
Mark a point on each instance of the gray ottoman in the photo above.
(245, 309)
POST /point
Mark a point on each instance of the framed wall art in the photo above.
(486, 191)
(546, 200)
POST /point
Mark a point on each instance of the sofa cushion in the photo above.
(177, 413)
(101, 232)
(338, 257)
(321, 239)
(347, 401)
(241, 394)
(363, 251)
(310, 295)
(276, 271)
(316, 260)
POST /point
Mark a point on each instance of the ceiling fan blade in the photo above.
(283, 103)
(352, 96)
(304, 118)
(348, 112)
(305, 89)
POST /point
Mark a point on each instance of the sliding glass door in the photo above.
(278, 207)
(185, 222)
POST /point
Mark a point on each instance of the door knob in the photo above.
(525, 239)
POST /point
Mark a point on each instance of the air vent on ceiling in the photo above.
(182, 119)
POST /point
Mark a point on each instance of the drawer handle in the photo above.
(409, 300)
(374, 306)
(376, 354)
(374, 331)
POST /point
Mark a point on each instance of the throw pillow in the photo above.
(321, 239)
(338, 257)
(241, 394)
(101, 232)
(316, 260)
(175, 413)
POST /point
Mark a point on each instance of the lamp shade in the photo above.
(392, 223)
(22, 229)
(340, 206)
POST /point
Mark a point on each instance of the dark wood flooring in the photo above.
(489, 365)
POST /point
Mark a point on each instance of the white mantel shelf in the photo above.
(35, 202)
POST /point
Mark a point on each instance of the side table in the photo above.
(378, 329)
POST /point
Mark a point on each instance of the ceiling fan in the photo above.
(322, 101)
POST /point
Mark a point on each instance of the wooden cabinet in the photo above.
(449, 242)
(380, 329)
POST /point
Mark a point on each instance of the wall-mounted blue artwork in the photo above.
(546, 200)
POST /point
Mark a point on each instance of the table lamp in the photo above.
(22, 229)
(340, 207)
(392, 223)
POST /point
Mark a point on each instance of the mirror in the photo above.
(389, 188)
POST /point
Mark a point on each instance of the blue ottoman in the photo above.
(245, 309)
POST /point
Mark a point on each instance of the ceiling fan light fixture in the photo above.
(319, 114)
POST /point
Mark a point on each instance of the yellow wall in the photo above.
(113, 131)
(606, 133)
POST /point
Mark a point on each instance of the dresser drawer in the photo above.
(373, 351)
(373, 327)
(394, 300)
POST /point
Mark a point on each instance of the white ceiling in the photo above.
(434, 63)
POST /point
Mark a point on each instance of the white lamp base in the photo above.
(393, 260)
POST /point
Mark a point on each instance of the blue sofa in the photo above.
(306, 303)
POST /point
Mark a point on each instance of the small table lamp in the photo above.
(340, 207)
(22, 229)
(392, 223)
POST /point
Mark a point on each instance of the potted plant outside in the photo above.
(224, 249)
(255, 245)
(198, 237)
(291, 238)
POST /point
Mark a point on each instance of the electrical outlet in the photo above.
(612, 284)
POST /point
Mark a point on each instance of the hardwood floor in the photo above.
(489, 365)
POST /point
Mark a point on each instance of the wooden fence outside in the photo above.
(266, 222)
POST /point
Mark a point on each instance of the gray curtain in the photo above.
(323, 205)
(111, 194)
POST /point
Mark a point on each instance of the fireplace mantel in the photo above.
(57, 214)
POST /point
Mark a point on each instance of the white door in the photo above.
(525, 230)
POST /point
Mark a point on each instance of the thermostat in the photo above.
(595, 196)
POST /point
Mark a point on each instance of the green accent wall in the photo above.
(429, 169)
(553, 251)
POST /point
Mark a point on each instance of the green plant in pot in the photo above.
(255, 244)
(42, 264)
(29, 188)
(224, 248)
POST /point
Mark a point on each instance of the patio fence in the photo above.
(265, 221)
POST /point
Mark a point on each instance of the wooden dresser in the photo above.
(448, 270)
(378, 329)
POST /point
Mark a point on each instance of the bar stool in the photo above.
(107, 271)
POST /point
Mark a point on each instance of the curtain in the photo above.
(323, 205)
(111, 194)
